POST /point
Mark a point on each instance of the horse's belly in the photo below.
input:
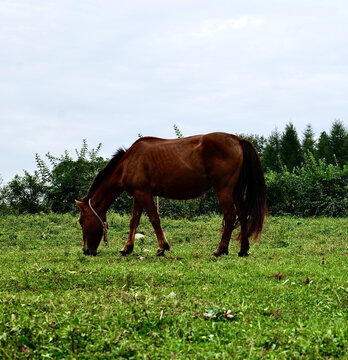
(181, 187)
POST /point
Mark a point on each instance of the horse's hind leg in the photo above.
(244, 241)
(133, 224)
(229, 219)
(229, 213)
(150, 208)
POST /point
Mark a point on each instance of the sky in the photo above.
(108, 70)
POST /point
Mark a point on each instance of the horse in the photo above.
(180, 169)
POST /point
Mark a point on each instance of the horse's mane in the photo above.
(110, 166)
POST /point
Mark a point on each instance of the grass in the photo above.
(288, 300)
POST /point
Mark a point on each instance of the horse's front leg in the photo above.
(133, 224)
(148, 204)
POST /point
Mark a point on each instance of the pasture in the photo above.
(287, 300)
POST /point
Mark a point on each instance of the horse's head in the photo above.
(92, 228)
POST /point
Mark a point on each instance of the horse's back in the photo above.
(219, 141)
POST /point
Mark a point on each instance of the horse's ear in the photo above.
(80, 204)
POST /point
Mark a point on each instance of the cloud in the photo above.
(216, 27)
(104, 72)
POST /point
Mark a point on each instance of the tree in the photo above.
(55, 186)
(69, 179)
(308, 142)
(324, 147)
(290, 148)
(24, 194)
(271, 153)
(339, 142)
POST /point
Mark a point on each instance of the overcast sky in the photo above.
(107, 70)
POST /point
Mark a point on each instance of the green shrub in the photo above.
(322, 188)
(312, 189)
(23, 194)
(315, 188)
(280, 191)
(68, 179)
(54, 187)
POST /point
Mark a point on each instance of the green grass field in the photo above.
(287, 300)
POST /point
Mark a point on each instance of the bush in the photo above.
(70, 180)
(315, 188)
(280, 191)
(323, 188)
(23, 194)
(54, 187)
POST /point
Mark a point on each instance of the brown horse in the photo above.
(179, 169)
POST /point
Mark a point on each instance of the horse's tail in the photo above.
(250, 193)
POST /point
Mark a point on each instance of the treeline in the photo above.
(304, 176)
(287, 149)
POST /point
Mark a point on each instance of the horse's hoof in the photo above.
(127, 250)
(243, 254)
(218, 254)
(88, 252)
(160, 252)
(166, 247)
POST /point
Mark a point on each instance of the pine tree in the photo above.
(308, 142)
(290, 147)
(324, 147)
(271, 153)
(339, 142)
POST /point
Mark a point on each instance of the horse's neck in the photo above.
(107, 192)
